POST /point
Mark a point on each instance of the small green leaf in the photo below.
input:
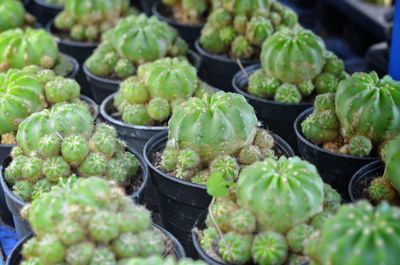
(217, 185)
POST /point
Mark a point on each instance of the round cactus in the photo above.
(233, 125)
(297, 236)
(188, 11)
(73, 221)
(361, 234)
(269, 248)
(368, 106)
(235, 248)
(12, 14)
(243, 222)
(29, 47)
(381, 189)
(391, 157)
(280, 207)
(303, 61)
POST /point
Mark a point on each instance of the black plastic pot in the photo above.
(15, 257)
(361, 180)
(78, 50)
(15, 204)
(43, 11)
(200, 225)
(75, 66)
(181, 202)
(218, 70)
(190, 33)
(335, 169)
(275, 116)
(103, 87)
(146, 5)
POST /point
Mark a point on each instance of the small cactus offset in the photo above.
(149, 97)
(358, 234)
(191, 12)
(238, 28)
(87, 20)
(290, 74)
(91, 221)
(361, 116)
(269, 215)
(135, 40)
(31, 47)
(13, 15)
(37, 89)
(58, 156)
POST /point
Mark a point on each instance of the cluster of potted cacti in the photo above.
(215, 172)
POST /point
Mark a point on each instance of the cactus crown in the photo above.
(189, 11)
(56, 155)
(13, 15)
(361, 234)
(365, 115)
(87, 20)
(133, 41)
(238, 28)
(160, 86)
(90, 221)
(291, 74)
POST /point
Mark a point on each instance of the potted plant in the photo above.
(91, 221)
(55, 145)
(289, 78)
(134, 41)
(13, 15)
(346, 129)
(188, 17)
(214, 133)
(34, 47)
(233, 35)
(266, 216)
(358, 234)
(378, 181)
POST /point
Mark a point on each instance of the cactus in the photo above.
(117, 55)
(87, 154)
(84, 222)
(13, 15)
(243, 222)
(238, 28)
(302, 71)
(269, 248)
(86, 21)
(297, 236)
(381, 189)
(360, 234)
(189, 12)
(281, 207)
(148, 97)
(235, 248)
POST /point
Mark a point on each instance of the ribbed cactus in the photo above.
(87, 20)
(189, 11)
(360, 234)
(13, 15)
(90, 221)
(150, 97)
(364, 114)
(295, 64)
(238, 28)
(391, 157)
(281, 193)
(135, 40)
(27, 91)
(59, 155)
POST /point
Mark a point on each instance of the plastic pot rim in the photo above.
(110, 119)
(76, 44)
(47, 5)
(300, 136)
(360, 174)
(219, 57)
(155, 11)
(134, 195)
(249, 70)
(163, 137)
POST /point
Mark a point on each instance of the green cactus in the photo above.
(241, 48)
(62, 236)
(260, 188)
(208, 238)
(249, 154)
(391, 155)
(85, 21)
(381, 189)
(225, 165)
(262, 86)
(243, 222)
(269, 248)
(297, 236)
(258, 30)
(86, 156)
(360, 146)
(13, 15)
(287, 93)
(222, 211)
(189, 12)
(360, 234)
(117, 54)
(235, 248)
(326, 83)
